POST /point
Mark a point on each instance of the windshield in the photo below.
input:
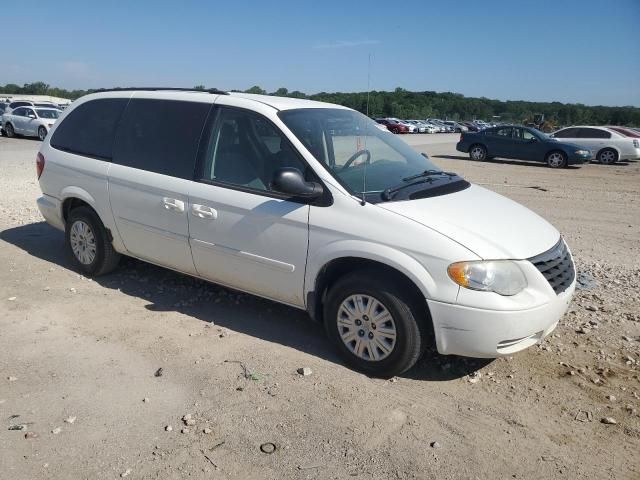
(49, 113)
(348, 144)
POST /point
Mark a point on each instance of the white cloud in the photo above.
(346, 44)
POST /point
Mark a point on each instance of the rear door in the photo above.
(499, 142)
(242, 233)
(154, 156)
(16, 118)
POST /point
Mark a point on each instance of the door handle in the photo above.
(202, 211)
(173, 204)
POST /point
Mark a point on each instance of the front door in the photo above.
(18, 119)
(527, 146)
(243, 234)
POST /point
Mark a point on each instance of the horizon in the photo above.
(554, 55)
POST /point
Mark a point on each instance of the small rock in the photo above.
(46, 289)
(125, 473)
(435, 445)
(627, 339)
(72, 290)
(12, 299)
(305, 371)
(474, 377)
(159, 372)
(17, 427)
(168, 428)
(184, 430)
(69, 419)
(56, 430)
(268, 448)
(609, 421)
(12, 379)
(611, 398)
(591, 308)
(29, 435)
(145, 400)
(206, 431)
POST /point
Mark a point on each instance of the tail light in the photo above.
(39, 164)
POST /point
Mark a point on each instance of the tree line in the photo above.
(402, 103)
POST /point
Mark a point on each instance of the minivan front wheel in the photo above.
(88, 243)
(374, 324)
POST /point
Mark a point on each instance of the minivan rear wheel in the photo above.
(375, 325)
(88, 243)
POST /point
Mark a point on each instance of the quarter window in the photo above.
(160, 136)
(593, 133)
(89, 128)
(244, 149)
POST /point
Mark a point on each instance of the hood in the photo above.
(488, 224)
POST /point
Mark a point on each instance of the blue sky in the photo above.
(585, 51)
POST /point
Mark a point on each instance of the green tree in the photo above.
(256, 89)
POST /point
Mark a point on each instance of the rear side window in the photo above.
(89, 129)
(593, 133)
(566, 133)
(161, 136)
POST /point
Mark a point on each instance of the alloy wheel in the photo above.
(608, 156)
(555, 160)
(477, 153)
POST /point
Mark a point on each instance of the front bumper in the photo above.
(475, 332)
(51, 210)
(579, 159)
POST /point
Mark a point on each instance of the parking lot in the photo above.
(80, 361)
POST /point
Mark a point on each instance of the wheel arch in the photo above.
(325, 270)
(609, 147)
(73, 197)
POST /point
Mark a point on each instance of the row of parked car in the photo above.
(430, 125)
(31, 119)
(573, 145)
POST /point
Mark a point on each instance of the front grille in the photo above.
(557, 266)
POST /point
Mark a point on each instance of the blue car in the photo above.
(521, 143)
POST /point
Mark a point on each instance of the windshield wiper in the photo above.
(428, 173)
(424, 177)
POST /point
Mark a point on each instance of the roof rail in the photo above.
(153, 89)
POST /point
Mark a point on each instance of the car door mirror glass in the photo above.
(290, 181)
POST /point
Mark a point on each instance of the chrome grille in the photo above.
(557, 266)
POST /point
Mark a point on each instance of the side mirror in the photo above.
(533, 140)
(31, 115)
(291, 181)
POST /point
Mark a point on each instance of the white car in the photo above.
(607, 146)
(311, 205)
(420, 127)
(29, 121)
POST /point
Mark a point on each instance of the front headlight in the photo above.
(500, 276)
(583, 152)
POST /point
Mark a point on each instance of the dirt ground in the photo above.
(78, 362)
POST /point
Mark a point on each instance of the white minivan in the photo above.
(308, 204)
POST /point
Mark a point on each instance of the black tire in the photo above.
(607, 156)
(8, 129)
(106, 258)
(478, 152)
(42, 133)
(556, 159)
(409, 317)
(395, 130)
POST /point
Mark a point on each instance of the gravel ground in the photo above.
(80, 360)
